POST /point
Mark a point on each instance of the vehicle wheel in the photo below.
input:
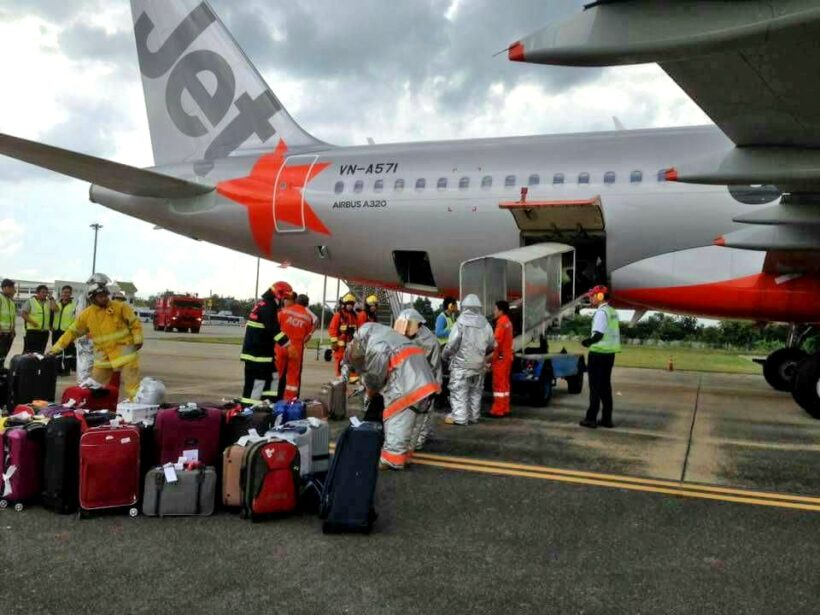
(806, 385)
(328, 355)
(183, 329)
(780, 366)
(156, 328)
(576, 383)
(541, 393)
(195, 330)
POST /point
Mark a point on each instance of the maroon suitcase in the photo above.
(21, 464)
(110, 468)
(177, 430)
(92, 399)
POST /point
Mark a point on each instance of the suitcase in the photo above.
(299, 436)
(319, 444)
(61, 484)
(32, 378)
(334, 397)
(316, 409)
(293, 410)
(110, 468)
(98, 418)
(192, 494)
(137, 413)
(187, 429)
(104, 398)
(21, 464)
(271, 482)
(233, 467)
(4, 387)
(347, 503)
(239, 424)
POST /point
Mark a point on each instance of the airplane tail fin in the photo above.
(205, 98)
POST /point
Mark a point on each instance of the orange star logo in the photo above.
(256, 192)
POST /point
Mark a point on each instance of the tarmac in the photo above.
(704, 498)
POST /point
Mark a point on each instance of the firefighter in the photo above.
(502, 359)
(63, 314)
(603, 344)
(370, 313)
(261, 334)
(36, 313)
(297, 322)
(8, 319)
(392, 367)
(117, 335)
(342, 329)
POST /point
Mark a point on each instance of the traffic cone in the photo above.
(670, 367)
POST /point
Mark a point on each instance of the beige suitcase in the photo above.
(232, 461)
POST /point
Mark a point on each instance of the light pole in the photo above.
(258, 262)
(96, 228)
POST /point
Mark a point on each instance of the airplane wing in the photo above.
(112, 175)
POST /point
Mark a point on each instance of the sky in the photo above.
(398, 71)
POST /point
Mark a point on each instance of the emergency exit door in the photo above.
(289, 193)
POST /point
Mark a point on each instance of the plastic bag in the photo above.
(151, 391)
(85, 359)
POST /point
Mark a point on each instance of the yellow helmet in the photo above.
(372, 300)
(349, 298)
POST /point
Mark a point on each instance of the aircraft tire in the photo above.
(780, 367)
(806, 385)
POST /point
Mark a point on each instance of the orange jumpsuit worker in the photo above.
(502, 359)
(297, 323)
(370, 313)
(342, 329)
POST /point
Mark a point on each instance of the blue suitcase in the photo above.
(347, 503)
(290, 410)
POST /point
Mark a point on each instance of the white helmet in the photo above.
(471, 301)
(98, 278)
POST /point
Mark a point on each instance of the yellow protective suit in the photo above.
(116, 332)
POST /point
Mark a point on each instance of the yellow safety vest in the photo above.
(40, 314)
(8, 314)
(611, 342)
(64, 316)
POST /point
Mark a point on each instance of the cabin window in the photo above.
(558, 179)
(609, 177)
(464, 183)
(358, 186)
(636, 177)
(583, 178)
(487, 182)
(442, 183)
(509, 181)
(339, 187)
(399, 185)
(378, 186)
(534, 180)
(421, 184)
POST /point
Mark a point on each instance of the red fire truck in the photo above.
(181, 312)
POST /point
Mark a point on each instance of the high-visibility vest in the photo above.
(8, 314)
(64, 316)
(40, 314)
(451, 322)
(611, 342)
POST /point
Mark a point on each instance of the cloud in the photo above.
(12, 234)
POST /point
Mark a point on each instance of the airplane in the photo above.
(715, 221)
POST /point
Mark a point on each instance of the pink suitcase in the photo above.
(110, 468)
(179, 430)
(21, 464)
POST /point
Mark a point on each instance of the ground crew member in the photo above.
(502, 359)
(392, 366)
(603, 345)
(262, 332)
(8, 319)
(446, 319)
(304, 301)
(342, 328)
(296, 322)
(413, 326)
(370, 313)
(36, 313)
(468, 351)
(117, 335)
(63, 313)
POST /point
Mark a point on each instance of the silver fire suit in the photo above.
(467, 350)
(423, 426)
(392, 365)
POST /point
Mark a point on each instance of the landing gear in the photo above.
(780, 366)
(806, 385)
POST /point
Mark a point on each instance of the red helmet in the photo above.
(281, 290)
(599, 290)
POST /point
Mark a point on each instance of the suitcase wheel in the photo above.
(3, 504)
(18, 507)
(82, 514)
(133, 512)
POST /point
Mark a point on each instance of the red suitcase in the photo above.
(21, 464)
(178, 430)
(110, 468)
(92, 399)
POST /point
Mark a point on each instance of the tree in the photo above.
(423, 306)
(316, 308)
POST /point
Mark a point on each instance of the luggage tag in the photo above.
(314, 422)
(191, 454)
(180, 464)
(7, 480)
(170, 472)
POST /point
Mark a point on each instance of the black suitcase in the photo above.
(32, 378)
(61, 472)
(350, 488)
(4, 388)
(238, 425)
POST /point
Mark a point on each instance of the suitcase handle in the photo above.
(191, 413)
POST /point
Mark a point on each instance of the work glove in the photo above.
(587, 342)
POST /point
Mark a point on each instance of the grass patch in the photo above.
(232, 341)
